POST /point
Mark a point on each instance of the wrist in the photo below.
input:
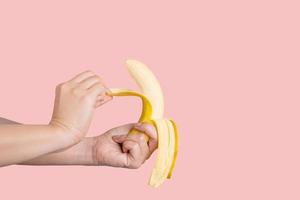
(84, 152)
(72, 136)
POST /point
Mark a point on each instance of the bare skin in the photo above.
(109, 149)
(63, 141)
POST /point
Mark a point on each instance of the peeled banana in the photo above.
(153, 109)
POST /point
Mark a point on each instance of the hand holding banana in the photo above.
(153, 109)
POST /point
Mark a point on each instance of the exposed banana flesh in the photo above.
(153, 109)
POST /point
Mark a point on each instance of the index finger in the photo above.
(150, 131)
(82, 76)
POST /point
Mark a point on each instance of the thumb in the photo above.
(119, 138)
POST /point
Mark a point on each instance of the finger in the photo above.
(147, 128)
(103, 85)
(100, 97)
(80, 77)
(153, 144)
(140, 139)
(119, 138)
(102, 100)
(90, 81)
(104, 97)
(120, 160)
(121, 130)
(97, 104)
(97, 90)
(150, 131)
(133, 148)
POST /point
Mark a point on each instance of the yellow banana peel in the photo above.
(153, 109)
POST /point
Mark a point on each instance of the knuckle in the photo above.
(94, 77)
(99, 85)
(96, 80)
(135, 145)
(141, 137)
(151, 130)
(149, 127)
(59, 85)
(97, 77)
(62, 86)
(89, 72)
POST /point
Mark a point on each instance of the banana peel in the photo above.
(152, 112)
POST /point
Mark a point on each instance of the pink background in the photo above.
(229, 70)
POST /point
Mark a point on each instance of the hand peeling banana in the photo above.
(153, 109)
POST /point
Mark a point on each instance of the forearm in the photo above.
(19, 143)
(7, 121)
(79, 154)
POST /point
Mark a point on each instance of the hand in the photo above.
(75, 101)
(118, 149)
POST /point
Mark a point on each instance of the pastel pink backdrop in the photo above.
(229, 71)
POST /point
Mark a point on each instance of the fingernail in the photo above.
(108, 92)
(108, 98)
(104, 100)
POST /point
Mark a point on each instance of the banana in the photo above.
(153, 110)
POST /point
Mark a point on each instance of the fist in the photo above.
(117, 148)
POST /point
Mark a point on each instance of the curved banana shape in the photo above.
(153, 109)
